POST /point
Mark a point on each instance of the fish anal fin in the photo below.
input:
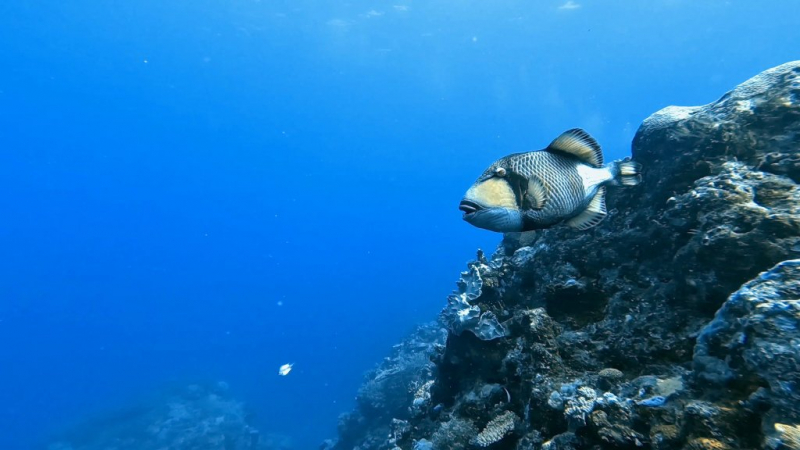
(537, 193)
(593, 214)
(579, 144)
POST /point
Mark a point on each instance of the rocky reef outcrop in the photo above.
(396, 390)
(195, 417)
(674, 324)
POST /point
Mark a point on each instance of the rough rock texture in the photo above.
(397, 390)
(753, 345)
(193, 418)
(608, 338)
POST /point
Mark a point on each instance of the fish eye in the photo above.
(500, 172)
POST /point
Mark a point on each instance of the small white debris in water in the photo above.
(285, 369)
(569, 5)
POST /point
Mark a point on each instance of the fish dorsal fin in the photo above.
(537, 193)
(593, 214)
(579, 144)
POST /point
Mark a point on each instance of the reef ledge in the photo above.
(675, 324)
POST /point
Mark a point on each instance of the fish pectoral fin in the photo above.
(579, 144)
(593, 214)
(537, 193)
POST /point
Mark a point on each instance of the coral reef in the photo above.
(496, 429)
(195, 417)
(397, 390)
(652, 330)
(461, 315)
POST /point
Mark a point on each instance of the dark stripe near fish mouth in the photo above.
(468, 207)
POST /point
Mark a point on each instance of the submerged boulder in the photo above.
(608, 338)
(195, 417)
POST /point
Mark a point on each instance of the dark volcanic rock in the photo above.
(589, 340)
(752, 347)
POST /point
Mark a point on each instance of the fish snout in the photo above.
(491, 218)
(468, 207)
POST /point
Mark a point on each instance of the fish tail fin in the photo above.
(626, 172)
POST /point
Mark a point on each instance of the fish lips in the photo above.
(469, 207)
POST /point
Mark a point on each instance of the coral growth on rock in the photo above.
(496, 429)
(752, 346)
(395, 392)
(644, 332)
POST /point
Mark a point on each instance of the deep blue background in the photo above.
(170, 171)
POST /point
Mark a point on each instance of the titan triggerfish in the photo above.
(565, 182)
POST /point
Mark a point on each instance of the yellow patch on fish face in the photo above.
(493, 193)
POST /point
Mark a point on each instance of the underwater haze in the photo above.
(204, 191)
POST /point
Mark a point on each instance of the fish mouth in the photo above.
(468, 207)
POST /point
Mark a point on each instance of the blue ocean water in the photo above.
(207, 190)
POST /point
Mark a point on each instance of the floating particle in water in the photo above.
(569, 5)
(285, 369)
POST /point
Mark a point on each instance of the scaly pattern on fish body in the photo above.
(565, 186)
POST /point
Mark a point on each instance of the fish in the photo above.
(285, 369)
(564, 183)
